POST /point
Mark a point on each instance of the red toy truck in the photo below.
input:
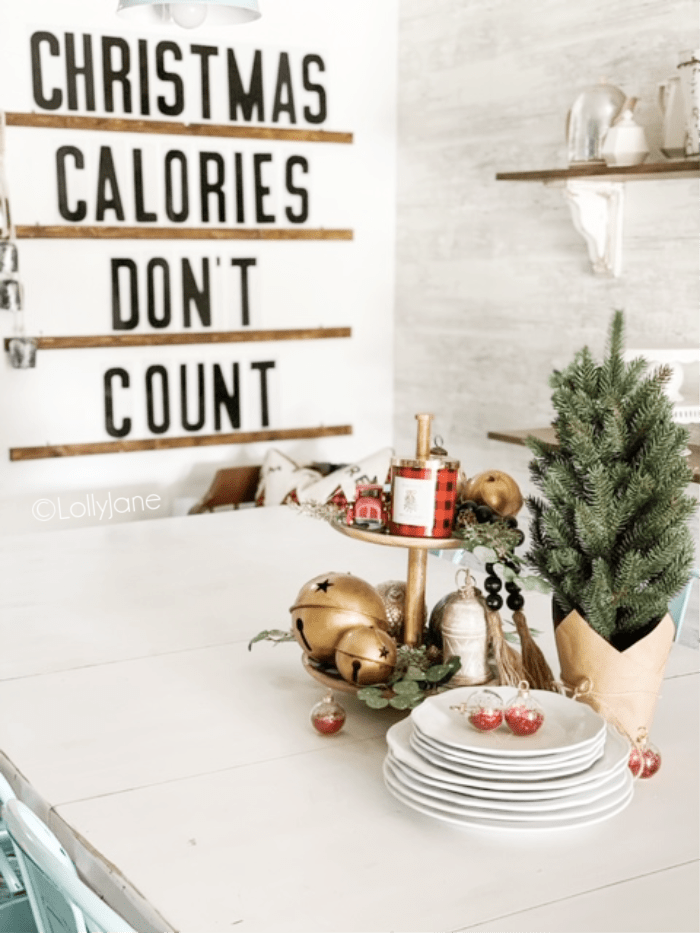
(368, 510)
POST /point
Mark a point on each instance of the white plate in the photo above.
(421, 770)
(481, 821)
(531, 763)
(460, 807)
(482, 756)
(531, 773)
(568, 724)
(584, 794)
(614, 759)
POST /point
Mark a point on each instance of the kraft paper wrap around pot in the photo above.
(623, 686)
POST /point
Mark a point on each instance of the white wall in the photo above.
(300, 284)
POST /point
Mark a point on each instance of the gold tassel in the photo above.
(508, 661)
(537, 672)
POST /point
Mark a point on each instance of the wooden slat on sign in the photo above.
(64, 121)
(77, 232)
(169, 443)
(152, 340)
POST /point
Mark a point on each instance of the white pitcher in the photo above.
(689, 68)
(670, 97)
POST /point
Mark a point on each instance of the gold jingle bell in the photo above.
(365, 656)
(328, 606)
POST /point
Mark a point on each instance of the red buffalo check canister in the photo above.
(423, 497)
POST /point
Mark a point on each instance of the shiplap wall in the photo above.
(494, 286)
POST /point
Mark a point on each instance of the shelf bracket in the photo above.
(597, 212)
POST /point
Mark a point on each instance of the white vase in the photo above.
(670, 97)
(689, 69)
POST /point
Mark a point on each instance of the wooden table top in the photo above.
(181, 772)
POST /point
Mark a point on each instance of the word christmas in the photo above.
(66, 72)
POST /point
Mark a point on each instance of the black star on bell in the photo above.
(384, 653)
(323, 586)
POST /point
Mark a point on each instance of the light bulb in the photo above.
(188, 15)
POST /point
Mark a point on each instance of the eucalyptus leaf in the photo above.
(405, 702)
(379, 702)
(437, 672)
(372, 696)
(275, 635)
(406, 687)
(486, 555)
(414, 673)
(365, 693)
(535, 583)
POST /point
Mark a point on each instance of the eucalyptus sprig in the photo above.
(506, 563)
(274, 635)
(414, 678)
(497, 536)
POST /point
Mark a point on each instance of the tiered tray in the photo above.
(418, 548)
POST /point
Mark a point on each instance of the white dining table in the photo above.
(182, 774)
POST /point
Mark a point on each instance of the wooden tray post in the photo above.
(414, 605)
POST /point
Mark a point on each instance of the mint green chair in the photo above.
(60, 901)
(15, 910)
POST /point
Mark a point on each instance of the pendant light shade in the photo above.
(189, 13)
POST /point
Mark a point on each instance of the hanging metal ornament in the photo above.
(22, 349)
(465, 632)
(393, 593)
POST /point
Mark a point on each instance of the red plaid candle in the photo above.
(423, 497)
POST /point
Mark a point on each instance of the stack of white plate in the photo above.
(572, 772)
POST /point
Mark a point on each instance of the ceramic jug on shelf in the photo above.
(625, 142)
(670, 98)
(689, 68)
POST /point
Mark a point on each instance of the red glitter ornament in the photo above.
(483, 709)
(524, 715)
(523, 721)
(327, 716)
(644, 762)
(485, 720)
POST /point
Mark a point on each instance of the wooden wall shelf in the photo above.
(595, 195)
(77, 232)
(647, 171)
(548, 435)
(152, 340)
(170, 443)
(64, 121)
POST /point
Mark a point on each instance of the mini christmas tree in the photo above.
(611, 536)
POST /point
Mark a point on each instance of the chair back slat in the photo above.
(60, 901)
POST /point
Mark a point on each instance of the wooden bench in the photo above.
(231, 486)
